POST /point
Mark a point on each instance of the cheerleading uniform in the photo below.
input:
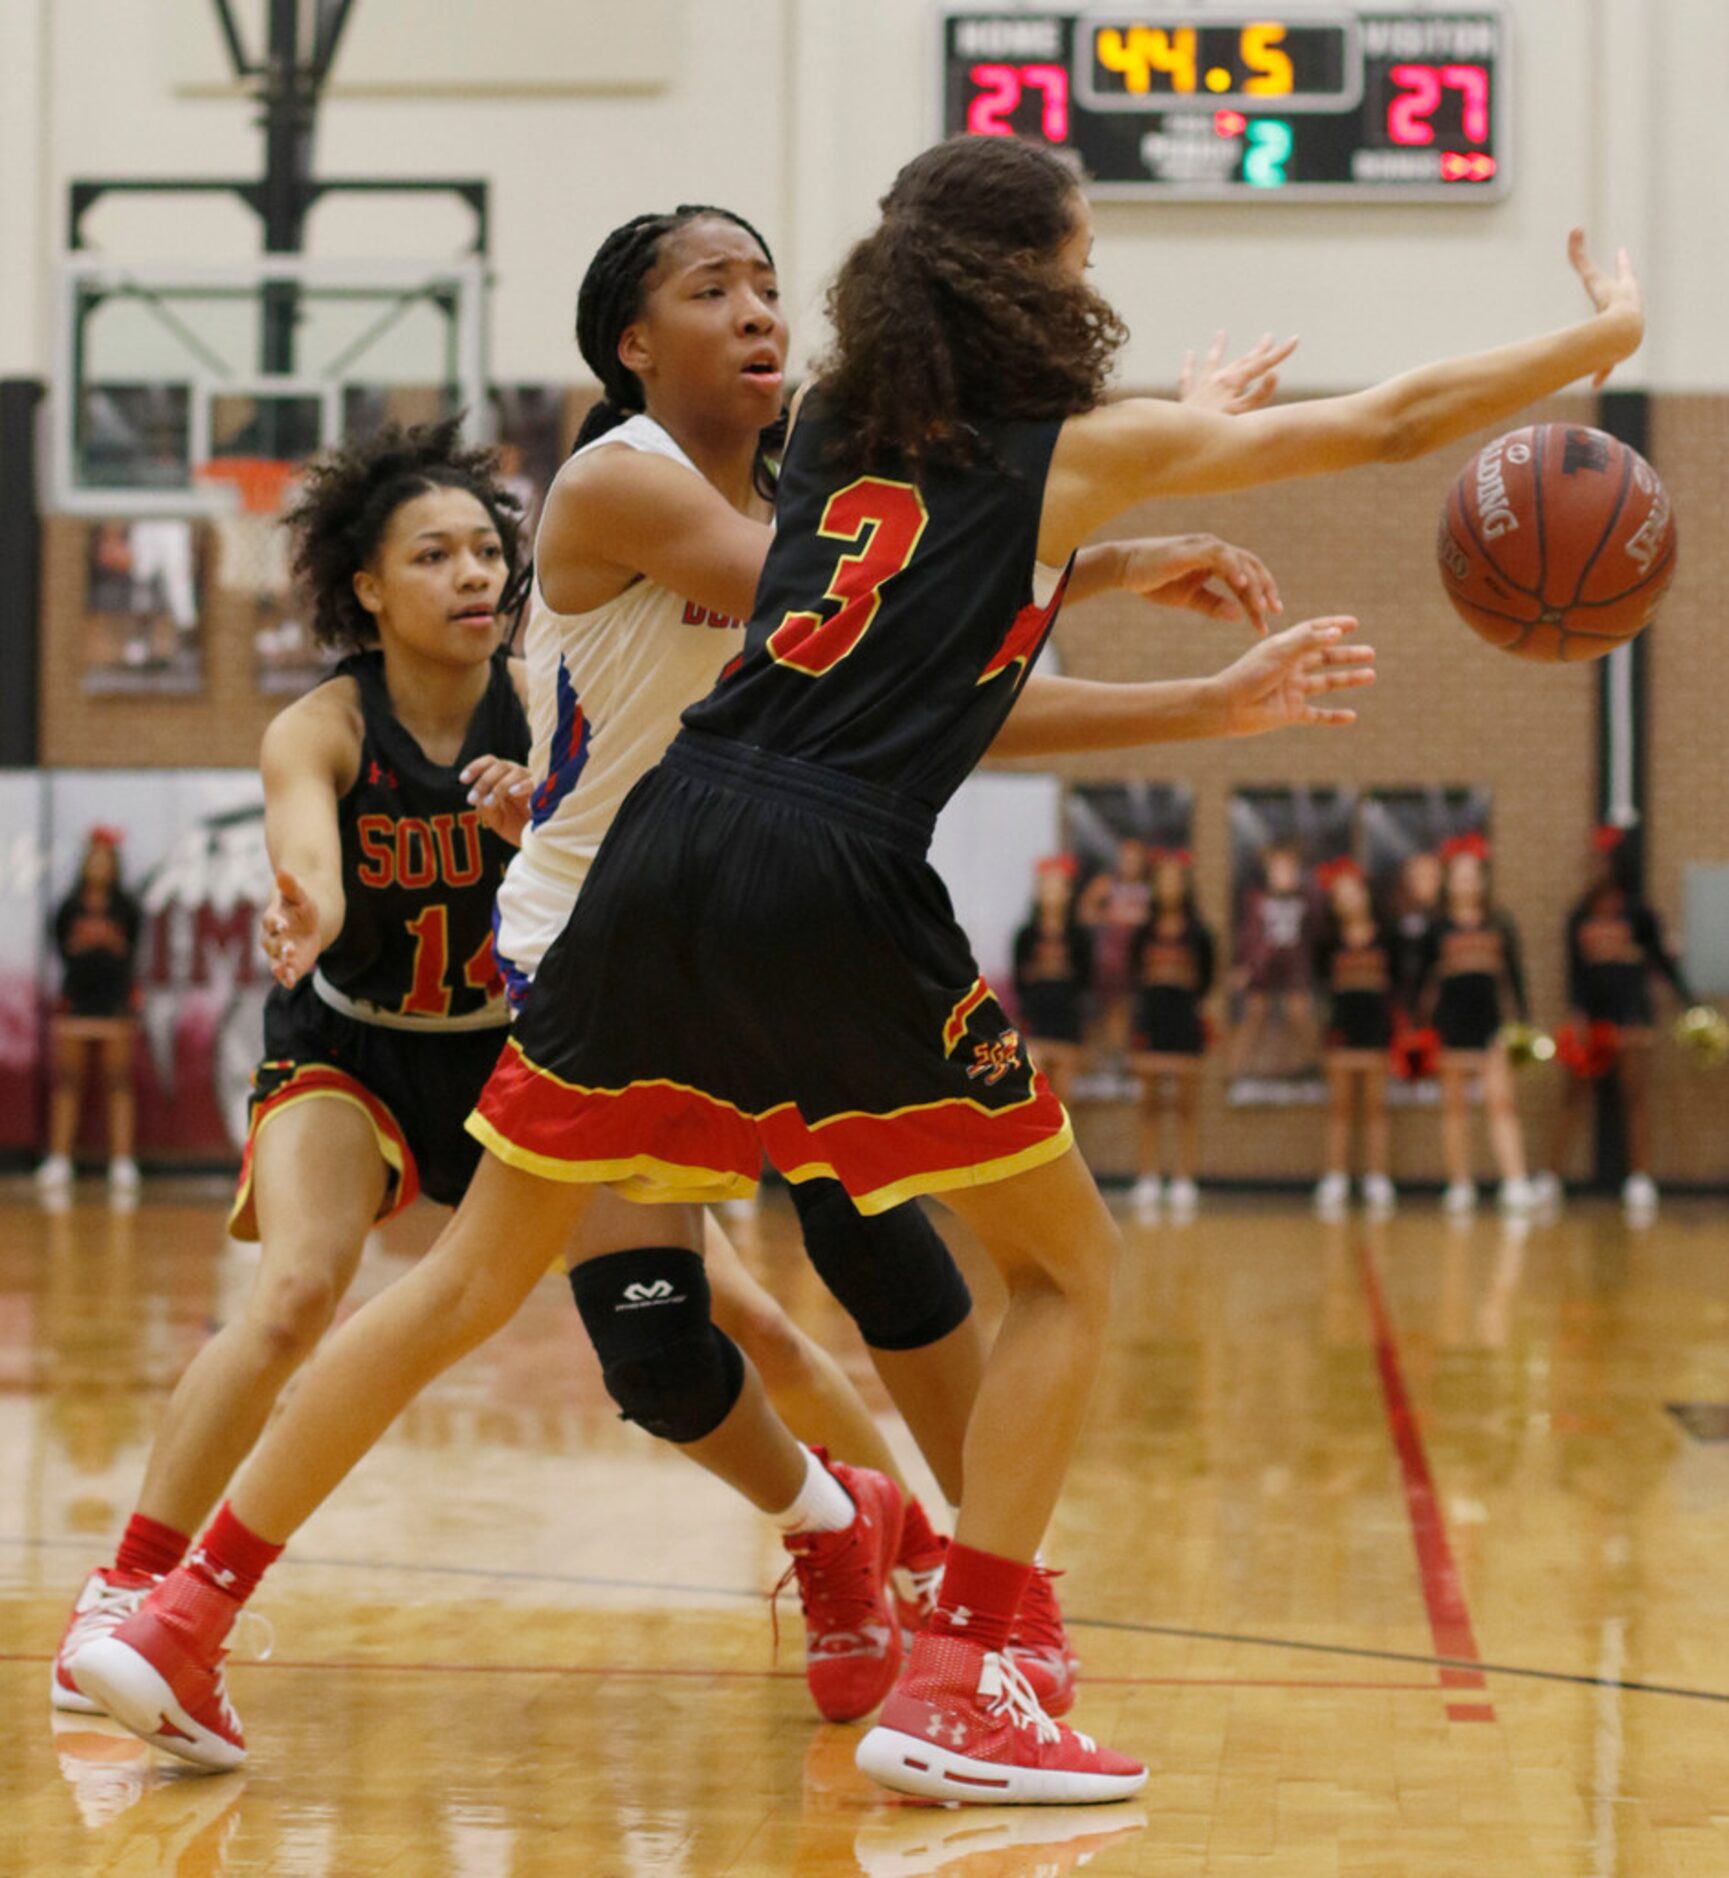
(1052, 973)
(1359, 981)
(1467, 966)
(1174, 962)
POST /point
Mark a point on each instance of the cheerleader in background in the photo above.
(1354, 964)
(1114, 906)
(1173, 958)
(1053, 963)
(1614, 947)
(1470, 974)
(96, 931)
(1417, 904)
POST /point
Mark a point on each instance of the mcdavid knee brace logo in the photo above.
(639, 1297)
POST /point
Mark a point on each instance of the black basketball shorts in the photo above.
(762, 961)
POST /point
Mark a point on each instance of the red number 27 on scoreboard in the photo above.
(889, 518)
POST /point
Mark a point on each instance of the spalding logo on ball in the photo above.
(1557, 543)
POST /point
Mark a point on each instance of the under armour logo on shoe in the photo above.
(936, 1728)
(959, 1617)
(201, 1559)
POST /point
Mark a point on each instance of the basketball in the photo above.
(1557, 543)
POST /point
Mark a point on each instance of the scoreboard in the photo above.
(1377, 102)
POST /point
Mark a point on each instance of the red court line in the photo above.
(1443, 1594)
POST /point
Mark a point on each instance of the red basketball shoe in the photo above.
(918, 1577)
(852, 1642)
(109, 1597)
(159, 1672)
(963, 1725)
(1039, 1646)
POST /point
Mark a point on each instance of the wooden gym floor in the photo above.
(1384, 1548)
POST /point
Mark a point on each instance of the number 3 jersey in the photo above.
(895, 620)
(418, 869)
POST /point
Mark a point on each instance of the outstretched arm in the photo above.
(1200, 573)
(308, 761)
(1279, 683)
(1142, 448)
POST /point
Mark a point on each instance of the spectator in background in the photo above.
(1114, 904)
(1274, 957)
(96, 934)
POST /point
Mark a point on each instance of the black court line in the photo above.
(1363, 1654)
(1122, 1626)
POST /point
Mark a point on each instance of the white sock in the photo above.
(823, 1504)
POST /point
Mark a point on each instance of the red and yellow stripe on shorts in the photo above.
(659, 1141)
(321, 1082)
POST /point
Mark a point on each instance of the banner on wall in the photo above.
(193, 855)
(22, 963)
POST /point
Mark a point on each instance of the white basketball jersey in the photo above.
(606, 690)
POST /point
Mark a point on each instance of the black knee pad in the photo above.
(890, 1271)
(665, 1363)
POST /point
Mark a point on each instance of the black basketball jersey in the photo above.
(896, 620)
(418, 869)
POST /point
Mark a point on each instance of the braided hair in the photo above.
(350, 492)
(611, 298)
(955, 310)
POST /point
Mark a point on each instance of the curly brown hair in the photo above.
(350, 492)
(955, 309)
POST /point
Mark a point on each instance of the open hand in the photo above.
(501, 791)
(1246, 384)
(289, 930)
(1277, 684)
(1203, 574)
(1616, 295)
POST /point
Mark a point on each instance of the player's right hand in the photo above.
(289, 930)
(1245, 384)
(1616, 296)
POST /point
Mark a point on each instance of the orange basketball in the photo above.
(1557, 543)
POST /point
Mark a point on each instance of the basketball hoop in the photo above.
(260, 483)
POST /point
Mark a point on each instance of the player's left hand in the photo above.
(1204, 575)
(1245, 384)
(500, 790)
(1277, 684)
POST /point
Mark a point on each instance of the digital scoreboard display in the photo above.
(1381, 102)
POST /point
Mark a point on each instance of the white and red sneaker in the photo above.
(962, 1725)
(108, 1598)
(159, 1672)
(1039, 1645)
(852, 1641)
(918, 1579)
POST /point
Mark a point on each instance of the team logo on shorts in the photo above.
(993, 1061)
